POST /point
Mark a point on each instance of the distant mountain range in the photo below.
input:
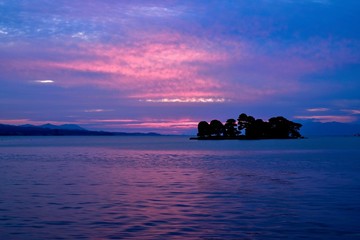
(59, 130)
(52, 126)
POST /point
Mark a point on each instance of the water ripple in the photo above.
(101, 190)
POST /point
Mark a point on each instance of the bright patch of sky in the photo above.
(182, 59)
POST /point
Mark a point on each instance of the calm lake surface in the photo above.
(174, 188)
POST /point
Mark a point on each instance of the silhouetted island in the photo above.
(247, 127)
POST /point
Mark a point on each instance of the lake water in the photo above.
(174, 188)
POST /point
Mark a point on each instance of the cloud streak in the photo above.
(186, 100)
(317, 109)
(44, 81)
(328, 118)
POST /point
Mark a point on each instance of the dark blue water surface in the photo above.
(174, 188)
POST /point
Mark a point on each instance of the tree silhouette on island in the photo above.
(247, 127)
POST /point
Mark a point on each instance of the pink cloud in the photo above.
(14, 121)
(150, 70)
(352, 111)
(166, 126)
(113, 120)
(174, 125)
(173, 66)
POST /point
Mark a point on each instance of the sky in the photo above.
(163, 66)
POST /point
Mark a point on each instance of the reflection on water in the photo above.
(168, 188)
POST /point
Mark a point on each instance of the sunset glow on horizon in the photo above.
(153, 62)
